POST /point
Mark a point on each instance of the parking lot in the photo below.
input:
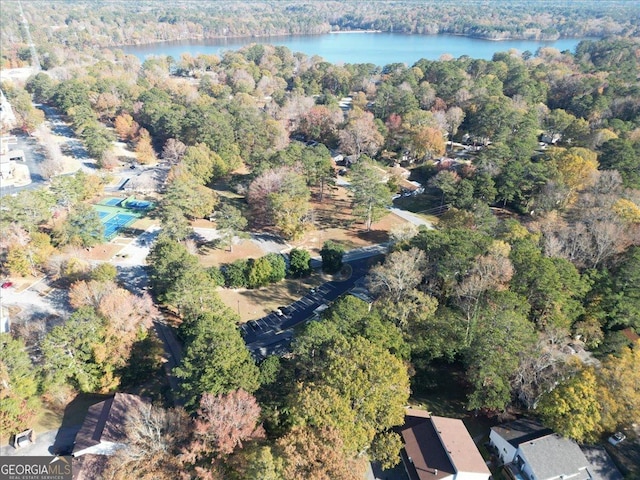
(273, 333)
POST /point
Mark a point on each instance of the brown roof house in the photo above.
(102, 432)
(439, 448)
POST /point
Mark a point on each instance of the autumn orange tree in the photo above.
(126, 127)
(318, 454)
(144, 150)
(223, 422)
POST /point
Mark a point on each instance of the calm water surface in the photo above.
(362, 47)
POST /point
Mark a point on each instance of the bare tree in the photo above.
(403, 233)
(173, 151)
(454, 117)
(90, 294)
(155, 437)
(543, 366)
(490, 272)
(360, 135)
(293, 109)
(400, 273)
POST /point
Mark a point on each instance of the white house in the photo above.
(439, 448)
(532, 452)
(506, 438)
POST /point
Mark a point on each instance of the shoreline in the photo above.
(353, 31)
(202, 38)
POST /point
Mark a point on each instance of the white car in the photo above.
(617, 438)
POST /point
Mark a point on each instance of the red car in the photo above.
(7, 284)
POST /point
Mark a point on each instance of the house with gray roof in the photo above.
(551, 457)
(530, 451)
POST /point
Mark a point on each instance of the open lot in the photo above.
(254, 304)
(333, 220)
(210, 255)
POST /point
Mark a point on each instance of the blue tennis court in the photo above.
(113, 202)
(117, 222)
(103, 214)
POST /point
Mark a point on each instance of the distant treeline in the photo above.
(89, 24)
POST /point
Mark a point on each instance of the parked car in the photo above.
(617, 438)
(7, 284)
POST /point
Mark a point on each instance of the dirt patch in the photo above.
(254, 304)
(353, 237)
(202, 223)
(210, 255)
(333, 220)
(102, 252)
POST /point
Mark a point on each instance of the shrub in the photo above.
(299, 263)
(260, 272)
(235, 274)
(216, 276)
(278, 267)
(331, 254)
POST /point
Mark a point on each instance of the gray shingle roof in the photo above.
(552, 456)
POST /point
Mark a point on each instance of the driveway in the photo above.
(44, 441)
(132, 271)
(38, 301)
(410, 217)
(603, 466)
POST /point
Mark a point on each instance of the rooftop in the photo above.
(522, 430)
(438, 447)
(104, 421)
(459, 445)
(552, 456)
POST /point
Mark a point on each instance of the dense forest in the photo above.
(87, 26)
(537, 247)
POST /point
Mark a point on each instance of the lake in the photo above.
(359, 47)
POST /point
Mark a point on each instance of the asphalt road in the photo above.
(273, 334)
